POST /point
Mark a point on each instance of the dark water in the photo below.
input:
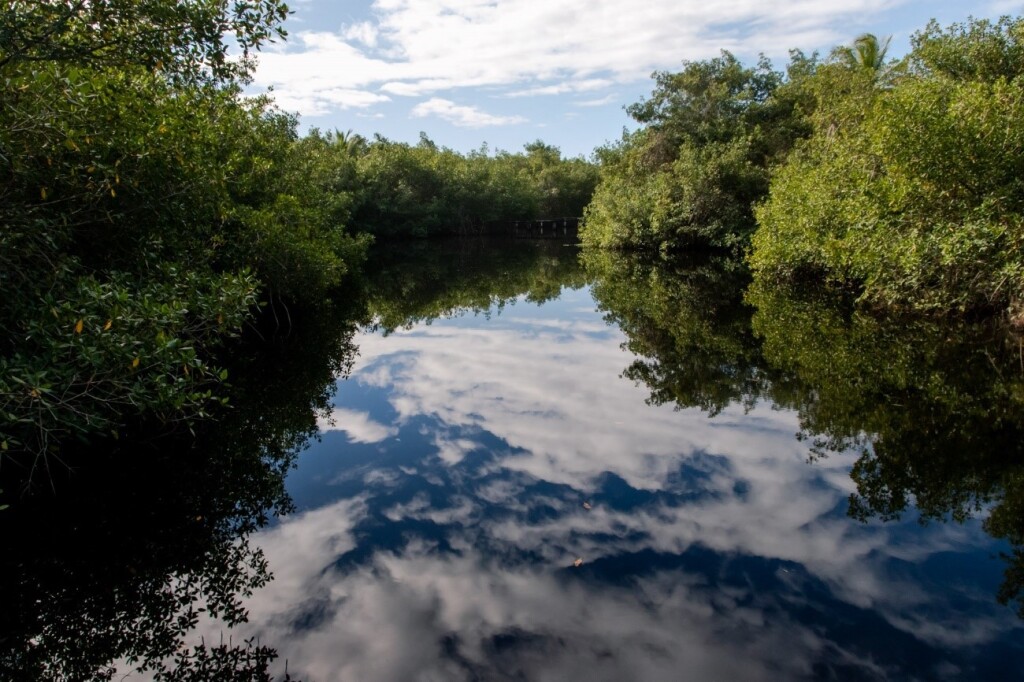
(540, 467)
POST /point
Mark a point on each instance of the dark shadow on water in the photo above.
(117, 555)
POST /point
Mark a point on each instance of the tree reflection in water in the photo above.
(424, 281)
(116, 558)
(935, 408)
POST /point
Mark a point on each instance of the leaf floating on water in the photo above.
(577, 563)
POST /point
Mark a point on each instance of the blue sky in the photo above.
(507, 72)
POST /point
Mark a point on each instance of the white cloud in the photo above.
(463, 116)
(363, 32)
(609, 99)
(561, 88)
(326, 100)
(403, 89)
(359, 427)
(424, 46)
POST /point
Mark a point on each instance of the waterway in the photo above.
(517, 462)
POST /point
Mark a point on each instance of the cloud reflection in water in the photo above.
(440, 530)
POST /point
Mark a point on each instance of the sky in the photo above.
(508, 72)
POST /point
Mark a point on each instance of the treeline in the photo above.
(899, 180)
(148, 210)
(424, 190)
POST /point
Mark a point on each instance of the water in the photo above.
(537, 468)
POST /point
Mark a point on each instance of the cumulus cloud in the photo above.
(363, 32)
(421, 47)
(462, 116)
(328, 99)
(358, 426)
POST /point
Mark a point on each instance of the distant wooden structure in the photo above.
(549, 228)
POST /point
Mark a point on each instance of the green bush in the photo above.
(690, 176)
(912, 191)
(145, 208)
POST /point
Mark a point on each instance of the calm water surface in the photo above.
(536, 470)
(491, 498)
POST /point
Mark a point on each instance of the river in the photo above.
(515, 462)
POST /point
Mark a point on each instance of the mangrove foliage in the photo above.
(898, 180)
(149, 213)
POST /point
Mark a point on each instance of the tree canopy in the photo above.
(911, 193)
(690, 175)
(188, 41)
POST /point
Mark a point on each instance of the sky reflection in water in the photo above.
(441, 513)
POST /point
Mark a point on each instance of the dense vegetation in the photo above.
(425, 190)
(690, 175)
(899, 180)
(911, 185)
(147, 210)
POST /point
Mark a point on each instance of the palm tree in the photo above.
(867, 52)
(354, 144)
